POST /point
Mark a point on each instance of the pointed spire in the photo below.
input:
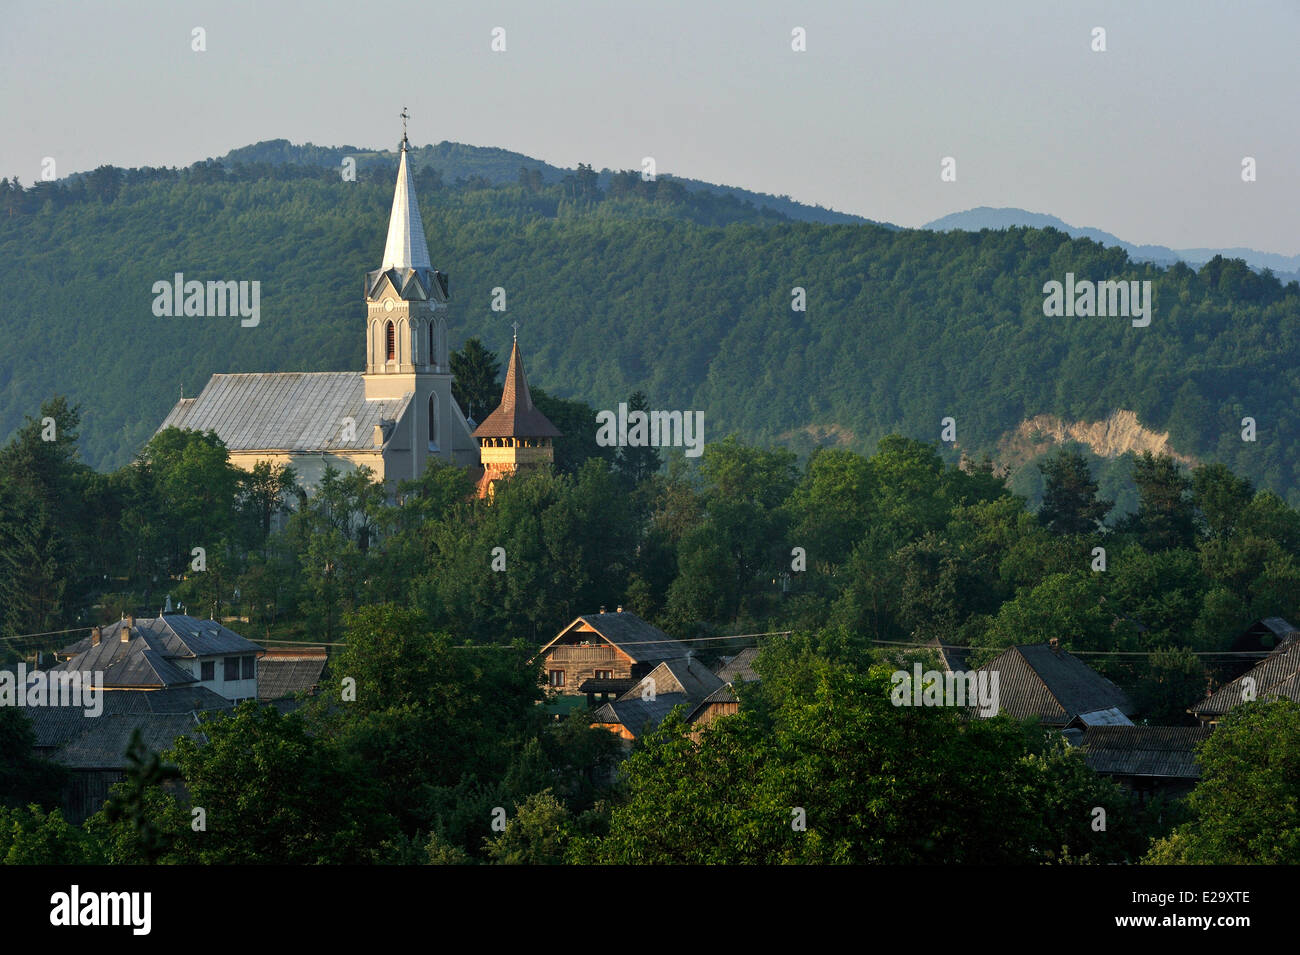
(516, 416)
(406, 247)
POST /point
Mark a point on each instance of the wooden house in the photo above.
(604, 652)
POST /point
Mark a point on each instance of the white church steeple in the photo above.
(406, 247)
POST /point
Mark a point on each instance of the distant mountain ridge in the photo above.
(500, 167)
(1285, 267)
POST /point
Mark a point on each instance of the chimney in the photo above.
(620, 608)
(127, 624)
(1055, 644)
(602, 609)
(95, 636)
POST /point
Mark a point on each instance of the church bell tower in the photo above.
(407, 302)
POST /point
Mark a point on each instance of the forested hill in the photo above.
(683, 294)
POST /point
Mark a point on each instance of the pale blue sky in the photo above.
(1145, 140)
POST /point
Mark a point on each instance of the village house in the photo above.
(610, 651)
(1145, 760)
(170, 650)
(683, 681)
(1043, 681)
(1277, 676)
(93, 748)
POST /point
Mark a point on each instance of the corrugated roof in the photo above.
(516, 417)
(55, 726)
(104, 744)
(280, 676)
(1167, 751)
(288, 411)
(686, 676)
(640, 716)
(1038, 681)
(174, 635)
(740, 668)
(1273, 677)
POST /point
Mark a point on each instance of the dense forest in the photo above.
(842, 563)
(620, 285)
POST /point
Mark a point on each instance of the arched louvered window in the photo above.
(433, 345)
(433, 422)
(391, 342)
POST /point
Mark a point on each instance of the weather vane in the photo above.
(515, 326)
(405, 117)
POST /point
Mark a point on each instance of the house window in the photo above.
(232, 668)
(390, 338)
(604, 674)
(249, 667)
(557, 678)
(208, 670)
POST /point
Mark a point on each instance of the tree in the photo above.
(638, 463)
(1244, 809)
(475, 385)
(1070, 502)
(537, 835)
(1165, 517)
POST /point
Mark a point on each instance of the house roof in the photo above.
(289, 411)
(642, 642)
(681, 681)
(104, 743)
(1166, 751)
(281, 674)
(145, 660)
(740, 668)
(56, 726)
(953, 658)
(640, 716)
(1277, 676)
(174, 635)
(516, 417)
(1110, 716)
(1050, 684)
(684, 675)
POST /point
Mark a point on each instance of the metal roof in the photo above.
(640, 716)
(1050, 684)
(406, 247)
(685, 676)
(289, 411)
(174, 635)
(1110, 716)
(516, 416)
(952, 657)
(1273, 677)
(279, 676)
(1167, 751)
(740, 668)
(55, 726)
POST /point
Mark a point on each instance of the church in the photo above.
(397, 415)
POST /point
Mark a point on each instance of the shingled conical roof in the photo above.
(516, 417)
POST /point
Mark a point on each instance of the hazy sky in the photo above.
(1144, 140)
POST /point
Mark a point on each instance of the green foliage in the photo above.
(1245, 809)
(29, 836)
